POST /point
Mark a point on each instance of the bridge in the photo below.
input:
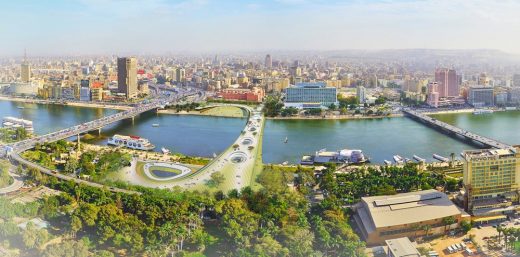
(14, 150)
(445, 127)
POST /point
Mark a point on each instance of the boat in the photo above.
(482, 111)
(440, 158)
(407, 160)
(214, 155)
(346, 156)
(14, 123)
(285, 163)
(398, 159)
(419, 159)
(165, 150)
(286, 140)
(20, 107)
(388, 162)
(155, 125)
(132, 142)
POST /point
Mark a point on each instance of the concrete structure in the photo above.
(268, 61)
(180, 75)
(361, 94)
(255, 94)
(481, 96)
(23, 89)
(448, 82)
(401, 247)
(433, 95)
(491, 181)
(311, 95)
(455, 131)
(381, 218)
(513, 96)
(127, 76)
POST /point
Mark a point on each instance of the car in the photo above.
(479, 227)
(494, 226)
(485, 238)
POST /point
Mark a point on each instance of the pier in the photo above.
(452, 130)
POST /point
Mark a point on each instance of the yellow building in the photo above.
(97, 94)
(491, 181)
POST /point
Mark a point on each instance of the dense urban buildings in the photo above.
(127, 76)
(448, 82)
(491, 182)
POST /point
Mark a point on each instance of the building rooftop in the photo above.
(407, 208)
(310, 85)
(488, 153)
(402, 247)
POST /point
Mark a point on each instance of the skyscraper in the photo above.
(25, 72)
(180, 75)
(361, 95)
(127, 76)
(268, 61)
(447, 82)
(433, 94)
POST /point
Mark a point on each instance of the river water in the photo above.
(380, 139)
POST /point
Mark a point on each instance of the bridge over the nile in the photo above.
(453, 130)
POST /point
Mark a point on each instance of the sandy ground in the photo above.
(224, 111)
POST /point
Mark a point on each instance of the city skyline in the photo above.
(160, 26)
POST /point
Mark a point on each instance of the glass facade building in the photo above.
(315, 94)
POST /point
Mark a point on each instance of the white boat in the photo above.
(441, 158)
(286, 140)
(419, 159)
(348, 156)
(388, 162)
(155, 125)
(21, 107)
(12, 122)
(165, 150)
(398, 159)
(482, 111)
(285, 163)
(132, 142)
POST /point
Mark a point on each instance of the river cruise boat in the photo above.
(132, 142)
(440, 158)
(14, 123)
(347, 156)
(482, 111)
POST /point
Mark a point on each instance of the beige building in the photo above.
(413, 214)
(491, 182)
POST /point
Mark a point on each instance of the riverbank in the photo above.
(336, 117)
(221, 111)
(75, 104)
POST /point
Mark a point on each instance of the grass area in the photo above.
(225, 111)
(259, 164)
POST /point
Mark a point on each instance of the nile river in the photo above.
(380, 139)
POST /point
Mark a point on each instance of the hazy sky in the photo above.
(48, 27)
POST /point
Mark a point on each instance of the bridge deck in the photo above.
(475, 137)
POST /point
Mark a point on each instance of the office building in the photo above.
(433, 95)
(516, 80)
(268, 61)
(127, 76)
(514, 96)
(84, 90)
(481, 96)
(23, 89)
(255, 94)
(180, 75)
(447, 82)
(311, 95)
(491, 181)
(401, 247)
(360, 94)
(381, 218)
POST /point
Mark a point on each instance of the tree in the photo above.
(332, 107)
(75, 225)
(466, 226)
(67, 248)
(238, 222)
(71, 165)
(447, 221)
(33, 237)
(218, 178)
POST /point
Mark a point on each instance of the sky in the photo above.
(75, 27)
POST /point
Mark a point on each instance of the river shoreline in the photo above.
(74, 104)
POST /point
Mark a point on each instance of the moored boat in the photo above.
(440, 158)
(132, 142)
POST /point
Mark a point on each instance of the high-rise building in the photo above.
(361, 94)
(127, 76)
(25, 72)
(491, 180)
(481, 96)
(180, 75)
(311, 95)
(433, 94)
(516, 80)
(268, 61)
(447, 82)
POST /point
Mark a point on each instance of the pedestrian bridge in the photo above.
(450, 129)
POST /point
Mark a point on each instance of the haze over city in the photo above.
(79, 27)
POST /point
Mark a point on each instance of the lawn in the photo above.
(225, 111)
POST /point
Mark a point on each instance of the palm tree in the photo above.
(447, 221)
(427, 228)
(499, 230)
